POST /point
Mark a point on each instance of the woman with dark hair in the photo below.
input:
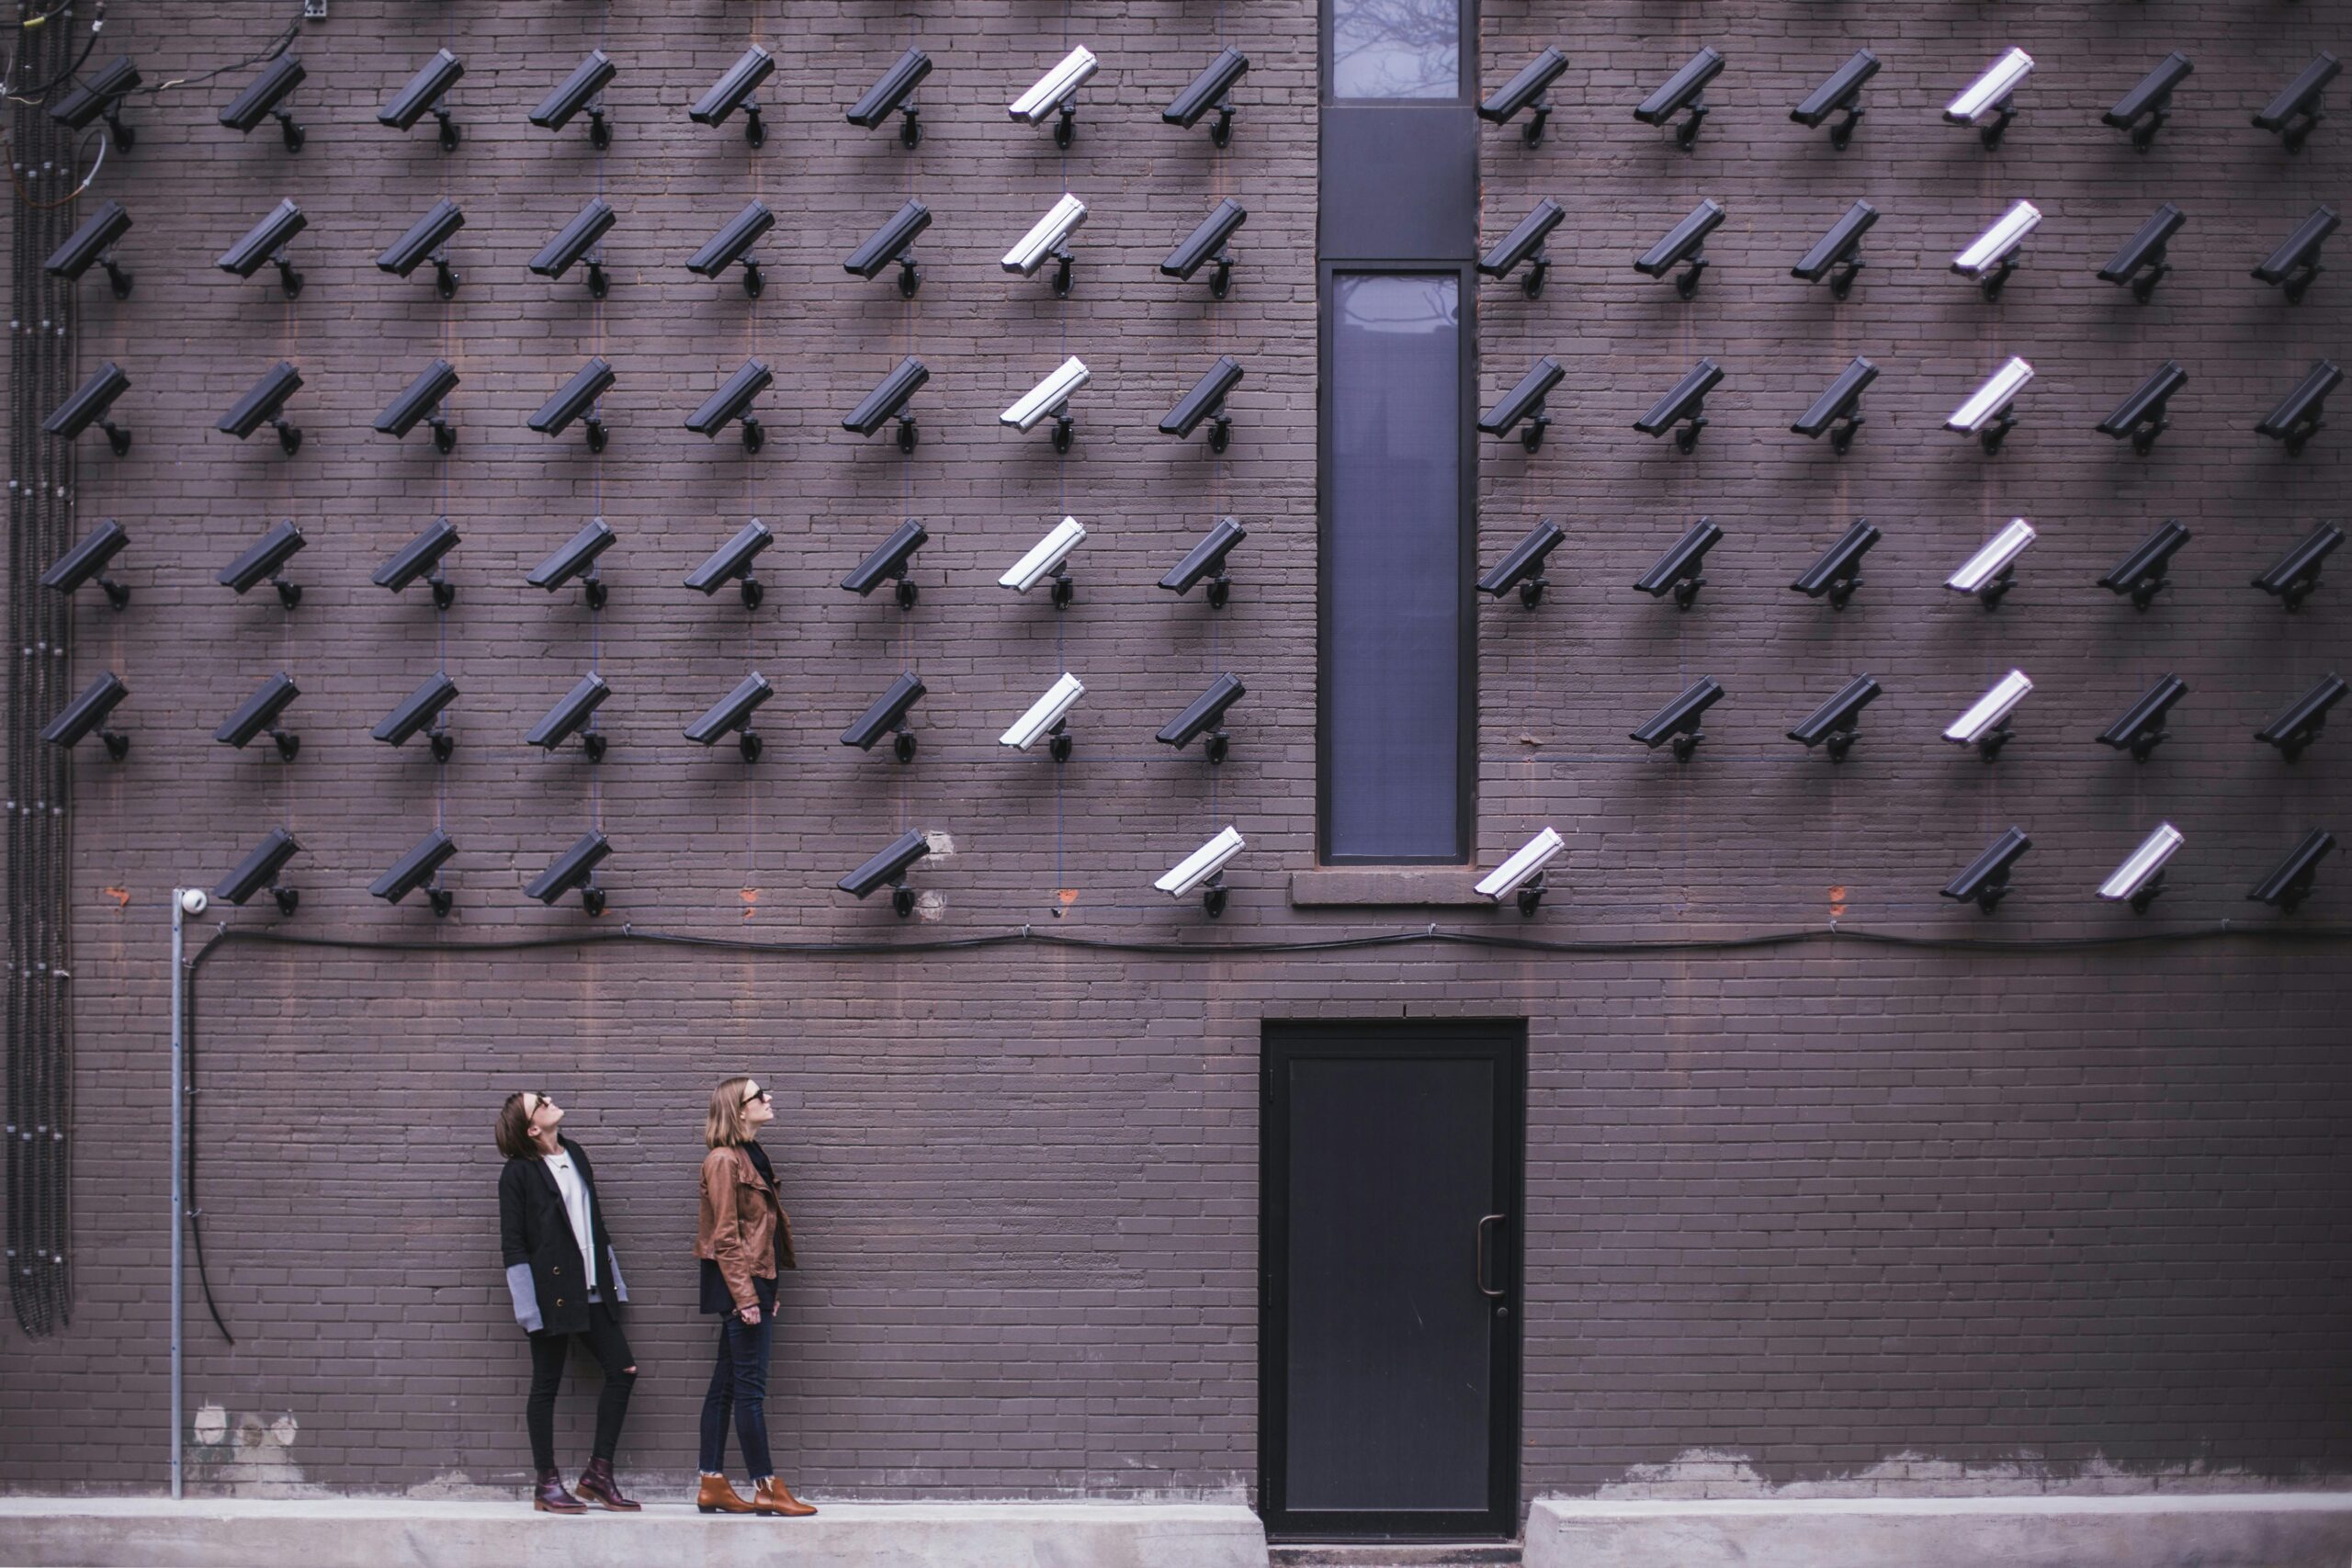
(743, 1240)
(562, 1275)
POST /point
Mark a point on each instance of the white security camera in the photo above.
(1987, 575)
(1203, 869)
(1053, 92)
(1050, 395)
(1046, 238)
(1046, 557)
(195, 900)
(1985, 725)
(1993, 255)
(1985, 414)
(1523, 873)
(1985, 103)
(1045, 716)
(2141, 875)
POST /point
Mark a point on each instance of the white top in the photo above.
(575, 1208)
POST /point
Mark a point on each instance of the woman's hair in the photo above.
(514, 1129)
(724, 1128)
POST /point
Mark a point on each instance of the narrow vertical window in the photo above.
(1396, 49)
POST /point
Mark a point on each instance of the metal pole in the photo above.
(179, 1134)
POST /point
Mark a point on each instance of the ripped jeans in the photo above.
(548, 1352)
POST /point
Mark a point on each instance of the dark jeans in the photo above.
(548, 1352)
(739, 1382)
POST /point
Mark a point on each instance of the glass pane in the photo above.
(1393, 569)
(1396, 49)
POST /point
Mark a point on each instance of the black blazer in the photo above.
(544, 1270)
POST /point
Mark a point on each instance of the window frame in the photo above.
(1466, 59)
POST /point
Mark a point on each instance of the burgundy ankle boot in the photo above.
(597, 1486)
(551, 1498)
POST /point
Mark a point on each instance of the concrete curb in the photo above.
(120, 1532)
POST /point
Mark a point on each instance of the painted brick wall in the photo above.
(2059, 1214)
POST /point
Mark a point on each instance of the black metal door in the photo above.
(1389, 1278)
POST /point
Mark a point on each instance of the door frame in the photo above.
(1504, 1042)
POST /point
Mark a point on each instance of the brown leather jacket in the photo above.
(743, 1228)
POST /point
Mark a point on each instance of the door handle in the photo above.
(1484, 1221)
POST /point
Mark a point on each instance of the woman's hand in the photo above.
(750, 1316)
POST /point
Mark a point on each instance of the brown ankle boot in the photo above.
(551, 1498)
(718, 1496)
(773, 1496)
(598, 1486)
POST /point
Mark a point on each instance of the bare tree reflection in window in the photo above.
(1396, 49)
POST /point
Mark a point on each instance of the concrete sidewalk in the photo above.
(393, 1532)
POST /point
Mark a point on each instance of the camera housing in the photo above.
(1525, 243)
(1839, 249)
(265, 243)
(2295, 112)
(1838, 573)
(1210, 238)
(1204, 715)
(1678, 721)
(1682, 247)
(1985, 882)
(581, 90)
(418, 709)
(86, 563)
(731, 715)
(1835, 723)
(1991, 573)
(577, 558)
(2295, 262)
(260, 713)
(1055, 93)
(2140, 262)
(2141, 729)
(573, 242)
(1050, 395)
(1681, 92)
(426, 91)
(1203, 869)
(2141, 879)
(94, 241)
(1987, 412)
(99, 96)
(570, 716)
(732, 562)
(1841, 93)
(1985, 723)
(1521, 877)
(891, 243)
(1988, 103)
(1206, 402)
(265, 402)
(2144, 574)
(87, 712)
(1523, 405)
(422, 402)
(1678, 570)
(418, 558)
(260, 869)
(265, 97)
(889, 562)
(733, 402)
(2297, 416)
(889, 400)
(1047, 717)
(428, 237)
(2141, 416)
(2294, 730)
(2143, 111)
(1212, 88)
(1525, 92)
(894, 93)
(1992, 256)
(575, 398)
(734, 243)
(2293, 577)
(1685, 404)
(1839, 406)
(889, 868)
(1049, 240)
(888, 717)
(1207, 558)
(414, 869)
(1523, 568)
(265, 561)
(733, 91)
(89, 406)
(1047, 558)
(576, 867)
(2291, 882)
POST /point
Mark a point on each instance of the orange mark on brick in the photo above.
(751, 902)
(121, 895)
(1837, 901)
(1066, 895)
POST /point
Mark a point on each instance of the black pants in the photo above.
(548, 1351)
(739, 1388)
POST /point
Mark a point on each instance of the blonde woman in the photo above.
(743, 1240)
(565, 1281)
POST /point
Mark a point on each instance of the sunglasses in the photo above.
(757, 1094)
(533, 1101)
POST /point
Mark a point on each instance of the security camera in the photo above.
(1203, 869)
(87, 712)
(1682, 248)
(1985, 413)
(1992, 256)
(1523, 567)
(1046, 559)
(1840, 94)
(2141, 416)
(259, 713)
(265, 402)
(1525, 243)
(1986, 103)
(1839, 571)
(575, 398)
(889, 562)
(2141, 729)
(1678, 721)
(1046, 240)
(1835, 723)
(734, 243)
(265, 561)
(1204, 715)
(420, 556)
(2141, 878)
(414, 869)
(2143, 111)
(1677, 571)
(1049, 715)
(195, 900)
(577, 556)
(2294, 264)
(428, 237)
(2140, 262)
(1525, 92)
(1985, 724)
(574, 241)
(1055, 93)
(2293, 112)
(2297, 418)
(731, 715)
(1990, 573)
(265, 242)
(733, 91)
(1206, 400)
(1681, 92)
(86, 563)
(1521, 877)
(88, 406)
(576, 867)
(2292, 578)
(733, 402)
(894, 94)
(889, 868)
(260, 869)
(888, 717)
(1212, 88)
(893, 242)
(418, 709)
(731, 562)
(1685, 404)
(94, 241)
(568, 716)
(2142, 573)
(1050, 395)
(2296, 729)
(1840, 248)
(1212, 239)
(2291, 882)
(99, 96)
(580, 91)
(1523, 404)
(1206, 559)
(888, 401)
(421, 402)
(425, 91)
(265, 97)
(1985, 882)
(1839, 406)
